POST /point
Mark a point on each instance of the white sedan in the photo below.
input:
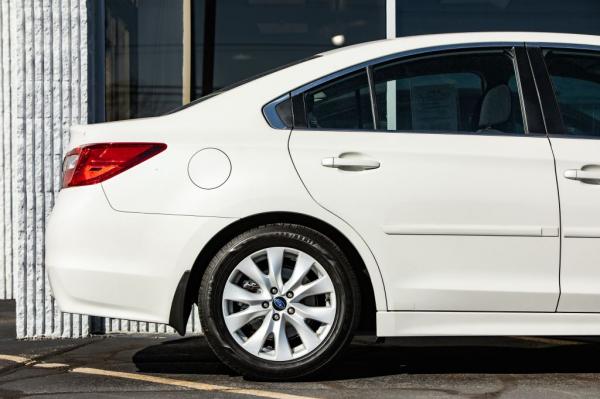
(423, 186)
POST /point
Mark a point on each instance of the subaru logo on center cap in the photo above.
(279, 303)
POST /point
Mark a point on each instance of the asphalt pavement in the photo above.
(142, 366)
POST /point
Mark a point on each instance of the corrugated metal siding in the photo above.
(44, 91)
(6, 276)
(118, 325)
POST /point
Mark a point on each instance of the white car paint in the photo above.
(580, 212)
(479, 233)
(122, 264)
(481, 202)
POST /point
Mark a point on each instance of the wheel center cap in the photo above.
(279, 303)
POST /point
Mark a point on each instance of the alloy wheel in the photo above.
(279, 304)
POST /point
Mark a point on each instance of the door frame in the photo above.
(555, 126)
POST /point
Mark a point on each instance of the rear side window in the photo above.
(436, 102)
(472, 91)
(576, 80)
(341, 104)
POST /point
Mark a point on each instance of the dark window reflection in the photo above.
(143, 46)
(456, 92)
(342, 104)
(198, 48)
(256, 35)
(442, 16)
(576, 80)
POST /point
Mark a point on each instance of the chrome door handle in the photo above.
(350, 163)
(583, 175)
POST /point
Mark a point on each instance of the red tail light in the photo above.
(95, 163)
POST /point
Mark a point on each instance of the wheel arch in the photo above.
(189, 284)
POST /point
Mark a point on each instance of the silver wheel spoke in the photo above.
(262, 327)
(251, 270)
(322, 285)
(235, 293)
(323, 314)
(275, 258)
(256, 342)
(282, 346)
(301, 269)
(237, 320)
(309, 338)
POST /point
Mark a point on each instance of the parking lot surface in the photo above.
(174, 367)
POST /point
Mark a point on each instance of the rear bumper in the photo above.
(119, 264)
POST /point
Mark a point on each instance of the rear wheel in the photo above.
(278, 302)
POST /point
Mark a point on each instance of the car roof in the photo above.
(444, 39)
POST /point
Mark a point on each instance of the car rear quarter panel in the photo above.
(119, 264)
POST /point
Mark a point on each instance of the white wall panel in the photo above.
(43, 82)
(6, 234)
(121, 326)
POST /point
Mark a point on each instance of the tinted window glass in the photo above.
(576, 80)
(257, 35)
(284, 111)
(231, 41)
(143, 45)
(442, 16)
(342, 104)
(457, 92)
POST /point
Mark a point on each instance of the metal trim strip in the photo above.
(471, 230)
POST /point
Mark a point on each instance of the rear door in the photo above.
(430, 159)
(571, 93)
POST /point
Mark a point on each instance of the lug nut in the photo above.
(276, 316)
(265, 304)
(273, 290)
(289, 294)
(291, 310)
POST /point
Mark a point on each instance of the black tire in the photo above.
(324, 251)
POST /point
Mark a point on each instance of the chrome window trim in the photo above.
(372, 97)
(520, 93)
(429, 132)
(276, 123)
(402, 54)
(565, 46)
(270, 112)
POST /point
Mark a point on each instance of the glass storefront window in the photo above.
(444, 16)
(143, 57)
(230, 41)
(235, 39)
(253, 36)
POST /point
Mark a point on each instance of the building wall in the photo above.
(44, 52)
(43, 77)
(6, 266)
(127, 326)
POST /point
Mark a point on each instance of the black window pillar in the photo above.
(208, 59)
